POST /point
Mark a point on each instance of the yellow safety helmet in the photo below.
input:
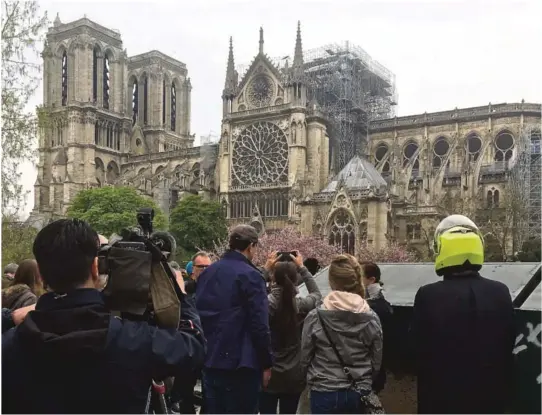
(458, 243)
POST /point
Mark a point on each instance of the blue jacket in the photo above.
(231, 299)
(71, 356)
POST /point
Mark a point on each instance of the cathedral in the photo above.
(313, 143)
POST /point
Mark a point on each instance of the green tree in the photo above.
(17, 240)
(111, 209)
(22, 32)
(197, 223)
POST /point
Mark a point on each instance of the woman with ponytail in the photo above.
(286, 315)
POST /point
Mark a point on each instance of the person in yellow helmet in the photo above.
(463, 328)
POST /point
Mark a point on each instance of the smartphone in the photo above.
(285, 256)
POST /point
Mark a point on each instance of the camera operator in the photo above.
(71, 355)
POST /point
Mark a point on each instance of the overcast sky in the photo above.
(445, 54)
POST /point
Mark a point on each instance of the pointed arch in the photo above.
(409, 154)
(107, 86)
(175, 105)
(100, 171)
(133, 98)
(96, 56)
(166, 97)
(144, 97)
(342, 231)
(113, 172)
(64, 78)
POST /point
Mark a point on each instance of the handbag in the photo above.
(370, 402)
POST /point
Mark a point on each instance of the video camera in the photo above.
(141, 285)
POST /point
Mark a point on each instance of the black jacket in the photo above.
(463, 332)
(384, 311)
(71, 356)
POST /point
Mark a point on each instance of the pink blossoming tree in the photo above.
(289, 239)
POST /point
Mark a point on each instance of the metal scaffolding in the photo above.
(351, 90)
(526, 178)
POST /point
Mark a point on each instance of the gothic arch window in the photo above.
(380, 154)
(493, 198)
(109, 137)
(100, 171)
(118, 140)
(173, 107)
(145, 100)
(474, 146)
(440, 150)
(96, 133)
(414, 231)
(164, 102)
(409, 152)
(363, 232)
(106, 80)
(95, 54)
(342, 231)
(504, 146)
(135, 101)
(64, 79)
(60, 136)
(113, 172)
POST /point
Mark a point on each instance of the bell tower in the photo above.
(83, 107)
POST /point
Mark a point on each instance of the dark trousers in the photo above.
(231, 391)
(344, 401)
(287, 402)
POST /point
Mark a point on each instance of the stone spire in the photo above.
(57, 21)
(261, 40)
(297, 66)
(231, 81)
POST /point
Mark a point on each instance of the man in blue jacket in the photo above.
(71, 355)
(231, 298)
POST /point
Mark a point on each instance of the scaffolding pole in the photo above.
(351, 90)
(525, 182)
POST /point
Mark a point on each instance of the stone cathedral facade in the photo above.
(120, 120)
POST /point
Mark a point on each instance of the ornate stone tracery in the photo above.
(342, 231)
(260, 91)
(260, 156)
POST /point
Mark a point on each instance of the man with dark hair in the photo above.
(70, 354)
(384, 311)
(312, 265)
(231, 298)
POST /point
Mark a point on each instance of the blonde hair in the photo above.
(346, 274)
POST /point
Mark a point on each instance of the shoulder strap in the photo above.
(346, 370)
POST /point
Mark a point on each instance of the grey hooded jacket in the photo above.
(286, 375)
(360, 341)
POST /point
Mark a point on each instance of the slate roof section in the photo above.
(358, 174)
(402, 281)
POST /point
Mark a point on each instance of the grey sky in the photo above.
(444, 54)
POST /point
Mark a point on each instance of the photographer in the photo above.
(286, 316)
(71, 355)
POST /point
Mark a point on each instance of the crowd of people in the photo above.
(248, 335)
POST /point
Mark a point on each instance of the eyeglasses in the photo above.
(201, 266)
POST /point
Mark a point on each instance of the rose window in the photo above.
(260, 156)
(260, 91)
